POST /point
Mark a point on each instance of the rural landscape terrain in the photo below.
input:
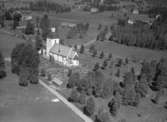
(83, 60)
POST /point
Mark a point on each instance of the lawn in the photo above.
(7, 43)
(128, 51)
(30, 104)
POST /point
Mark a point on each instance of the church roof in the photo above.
(63, 50)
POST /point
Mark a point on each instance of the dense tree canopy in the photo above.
(45, 26)
(143, 35)
(25, 61)
(2, 66)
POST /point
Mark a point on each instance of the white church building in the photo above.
(60, 53)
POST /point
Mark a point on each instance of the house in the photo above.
(140, 17)
(94, 10)
(68, 24)
(135, 11)
(130, 21)
(56, 81)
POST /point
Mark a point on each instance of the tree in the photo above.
(16, 19)
(45, 26)
(2, 18)
(118, 62)
(98, 84)
(43, 72)
(130, 97)
(91, 48)
(122, 120)
(109, 56)
(107, 88)
(82, 49)
(38, 42)
(74, 96)
(96, 67)
(33, 76)
(104, 65)
(99, 27)
(89, 109)
(8, 14)
(94, 53)
(102, 117)
(161, 75)
(118, 73)
(101, 36)
(23, 76)
(82, 85)
(16, 57)
(129, 79)
(25, 56)
(141, 86)
(73, 80)
(157, 96)
(101, 55)
(82, 99)
(69, 72)
(29, 28)
(113, 107)
(2, 66)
